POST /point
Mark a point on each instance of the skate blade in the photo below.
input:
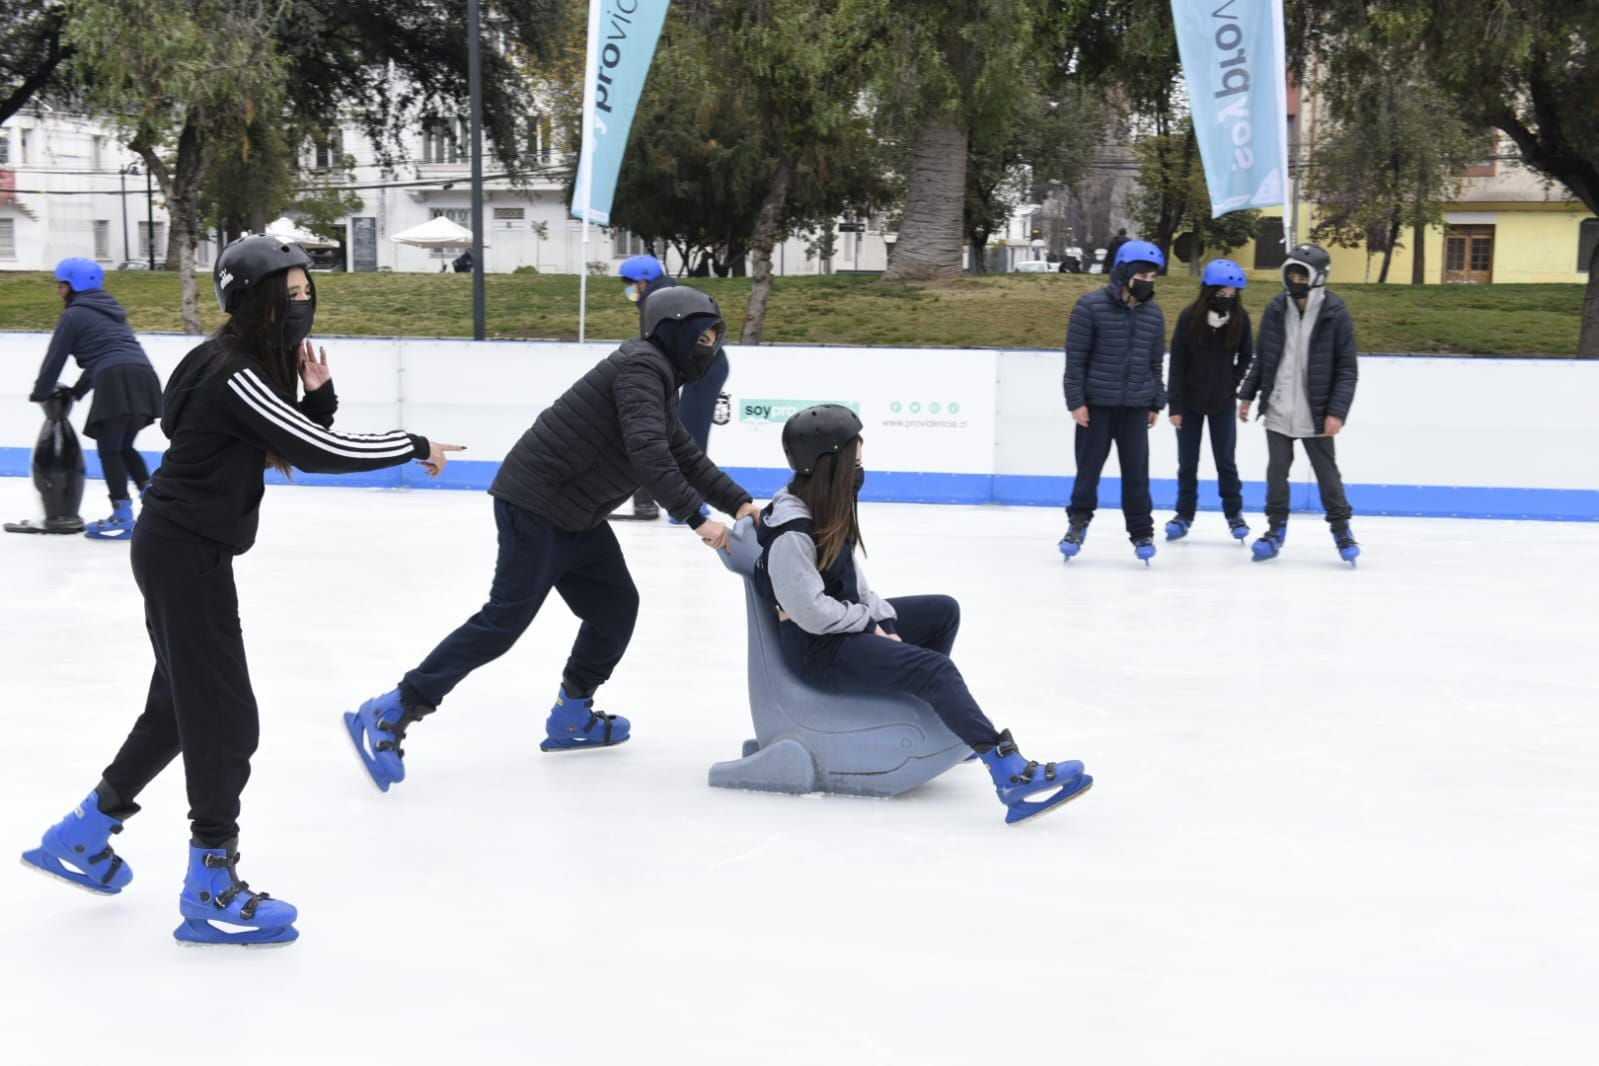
(43, 862)
(121, 534)
(357, 732)
(1024, 811)
(200, 933)
(549, 744)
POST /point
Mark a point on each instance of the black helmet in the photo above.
(249, 259)
(1312, 259)
(678, 302)
(818, 431)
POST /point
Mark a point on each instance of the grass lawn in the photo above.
(1001, 311)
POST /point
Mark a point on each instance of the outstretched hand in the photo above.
(749, 510)
(438, 457)
(314, 371)
(713, 533)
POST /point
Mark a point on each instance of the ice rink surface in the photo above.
(1340, 815)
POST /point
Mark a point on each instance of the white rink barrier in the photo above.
(1466, 436)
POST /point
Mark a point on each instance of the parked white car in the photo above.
(1034, 266)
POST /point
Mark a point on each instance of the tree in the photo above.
(1525, 67)
(31, 52)
(182, 78)
(1172, 198)
(939, 73)
(1051, 138)
(1394, 156)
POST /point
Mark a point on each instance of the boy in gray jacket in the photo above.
(1305, 371)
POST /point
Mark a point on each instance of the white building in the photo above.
(68, 187)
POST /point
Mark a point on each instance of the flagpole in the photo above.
(585, 176)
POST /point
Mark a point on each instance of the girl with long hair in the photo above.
(231, 410)
(840, 636)
(1210, 351)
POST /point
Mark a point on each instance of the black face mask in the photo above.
(1223, 305)
(297, 324)
(860, 479)
(1142, 291)
(699, 361)
(1297, 289)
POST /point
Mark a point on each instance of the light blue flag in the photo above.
(1235, 66)
(622, 36)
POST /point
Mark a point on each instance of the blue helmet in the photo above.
(81, 274)
(642, 268)
(1138, 251)
(1225, 272)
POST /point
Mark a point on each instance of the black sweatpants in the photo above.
(119, 459)
(1323, 460)
(586, 569)
(1128, 429)
(200, 703)
(918, 663)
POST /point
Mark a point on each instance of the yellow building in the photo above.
(1507, 225)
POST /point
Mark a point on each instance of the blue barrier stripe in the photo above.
(1425, 501)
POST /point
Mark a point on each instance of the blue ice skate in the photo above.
(118, 527)
(377, 731)
(1072, 542)
(213, 894)
(574, 724)
(1348, 547)
(1237, 527)
(1177, 528)
(1144, 548)
(1017, 781)
(78, 849)
(1270, 543)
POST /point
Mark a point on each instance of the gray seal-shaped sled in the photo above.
(807, 740)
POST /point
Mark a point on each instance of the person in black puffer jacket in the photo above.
(1305, 372)
(1210, 350)
(127, 393)
(615, 429)
(1115, 348)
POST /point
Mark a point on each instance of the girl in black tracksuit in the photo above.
(231, 411)
(1210, 351)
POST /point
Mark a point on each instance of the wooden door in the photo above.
(1469, 255)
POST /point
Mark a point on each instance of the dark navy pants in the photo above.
(586, 569)
(1128, 429)
(119, 459)
(1223, 445)
(918, 663)
(698, 404)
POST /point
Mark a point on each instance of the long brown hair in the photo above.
(828, 491)
(1199, 318)
(258, 326)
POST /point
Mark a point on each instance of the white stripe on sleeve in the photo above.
(271, 408)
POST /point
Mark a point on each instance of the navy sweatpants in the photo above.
(586, 569)
(1128, 429)
(697, 407)
(918, 663)
(1223, 442)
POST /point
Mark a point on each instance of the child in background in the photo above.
(839, 635)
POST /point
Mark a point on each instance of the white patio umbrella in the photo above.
(285, 229)
(440, 232)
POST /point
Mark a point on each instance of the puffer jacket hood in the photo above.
(678, 339)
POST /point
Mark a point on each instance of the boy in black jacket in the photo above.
(1305, 372)
(615, 429)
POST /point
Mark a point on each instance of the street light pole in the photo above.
(122, 182)
(149, 214)
(474, 78)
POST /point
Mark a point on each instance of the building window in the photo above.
(145, 251)
(442, 140)
(8, 238)
(510, 217)
(1269, 251)
(624, 243)
(5, 146)
(22, 145)
(102, 239)
(539, 135)
(97, 152)
(330, 152)
(1587, 238)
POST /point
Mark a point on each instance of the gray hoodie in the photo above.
(821, 603)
